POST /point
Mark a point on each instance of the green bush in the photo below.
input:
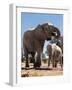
(45, 60)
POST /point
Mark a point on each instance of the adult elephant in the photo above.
(53, 50)
(33, 41)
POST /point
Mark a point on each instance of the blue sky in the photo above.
(29, 20)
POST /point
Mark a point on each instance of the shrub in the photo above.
(45, 60)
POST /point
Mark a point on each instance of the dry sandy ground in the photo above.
(42, 71)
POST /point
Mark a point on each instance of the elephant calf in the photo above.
(55, 55)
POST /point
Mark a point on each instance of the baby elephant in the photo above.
(55, 55)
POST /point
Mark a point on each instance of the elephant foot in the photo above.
(61, 66)
(31, 61)
(48, 65)
(55, 65)
(37, 65)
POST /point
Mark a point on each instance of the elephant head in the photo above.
(50, 31)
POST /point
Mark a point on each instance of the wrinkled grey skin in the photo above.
(33, 41)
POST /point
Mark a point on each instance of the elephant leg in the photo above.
(38, 61)
(49, 61)
(53, 61)
(27, 63)
(33, 59)
(61, 62)
(55, 64)
(26, 56)
(22, 59)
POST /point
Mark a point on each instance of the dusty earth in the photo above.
(42, 71)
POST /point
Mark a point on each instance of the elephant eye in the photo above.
(54, 34)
